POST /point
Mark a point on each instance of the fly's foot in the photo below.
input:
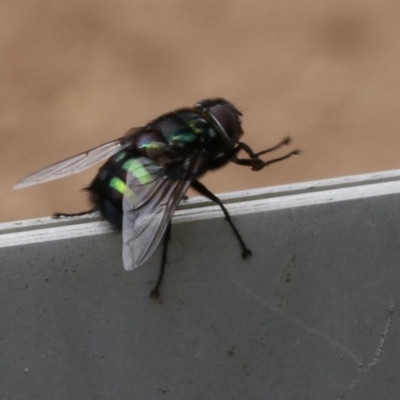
(257, 164)
(246, 253)
(154, 294)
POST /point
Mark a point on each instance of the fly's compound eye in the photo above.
(227, 120)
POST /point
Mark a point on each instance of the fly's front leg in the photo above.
(251, 153)
(199, 187)
(257, 163)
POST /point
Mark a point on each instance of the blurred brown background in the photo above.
(75, 74)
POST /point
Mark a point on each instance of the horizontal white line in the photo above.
(238, 203)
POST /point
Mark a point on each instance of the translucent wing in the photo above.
(74, 164)
(149, 205)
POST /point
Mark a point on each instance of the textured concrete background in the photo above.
(78, 73)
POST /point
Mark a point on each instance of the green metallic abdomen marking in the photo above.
(137, 169)
(139, 173)
(121, 187)
(118, 185)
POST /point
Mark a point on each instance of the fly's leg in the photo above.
(251, 153)
(79, 214)
(253, 161)
(257, 163)
(199, 187)
(155, 293)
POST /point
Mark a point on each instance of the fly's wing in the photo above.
(149, 204)
(74, 164)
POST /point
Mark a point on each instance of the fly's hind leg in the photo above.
(155, 293)
(79, 214)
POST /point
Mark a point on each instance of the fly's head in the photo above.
(225, 118)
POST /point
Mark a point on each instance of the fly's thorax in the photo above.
(184, 131)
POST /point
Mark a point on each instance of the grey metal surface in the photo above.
(312, 315)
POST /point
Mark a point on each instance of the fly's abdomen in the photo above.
(110, 184)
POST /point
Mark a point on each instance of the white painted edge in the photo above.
(238, 203)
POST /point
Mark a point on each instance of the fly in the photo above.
(150, 168)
